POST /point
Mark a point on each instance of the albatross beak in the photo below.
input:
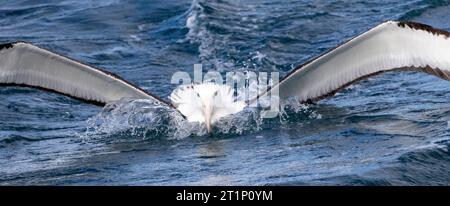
(208, 125)
(208, 113)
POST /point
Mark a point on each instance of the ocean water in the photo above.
(392, 129)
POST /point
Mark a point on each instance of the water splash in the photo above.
(148, 120)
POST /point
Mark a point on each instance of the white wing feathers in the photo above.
(24, 64)
(389, 46)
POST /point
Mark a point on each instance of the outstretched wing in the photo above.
(389, 46)
(24, 64)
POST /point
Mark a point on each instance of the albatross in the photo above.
(390, 46)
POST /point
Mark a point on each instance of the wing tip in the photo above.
(12, 44)
(423, 27)
(417, 26)
(7, 45)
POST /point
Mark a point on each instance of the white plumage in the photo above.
(24, 64)
(389, 46)
(206, 102)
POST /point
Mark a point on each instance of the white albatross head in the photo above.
(205, 103)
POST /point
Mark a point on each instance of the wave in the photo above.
(19, 139)
(14, 138)
(426, 166)
(220, 31)
(198, 34)
(421, 7)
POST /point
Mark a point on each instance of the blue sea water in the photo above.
(392, 129)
